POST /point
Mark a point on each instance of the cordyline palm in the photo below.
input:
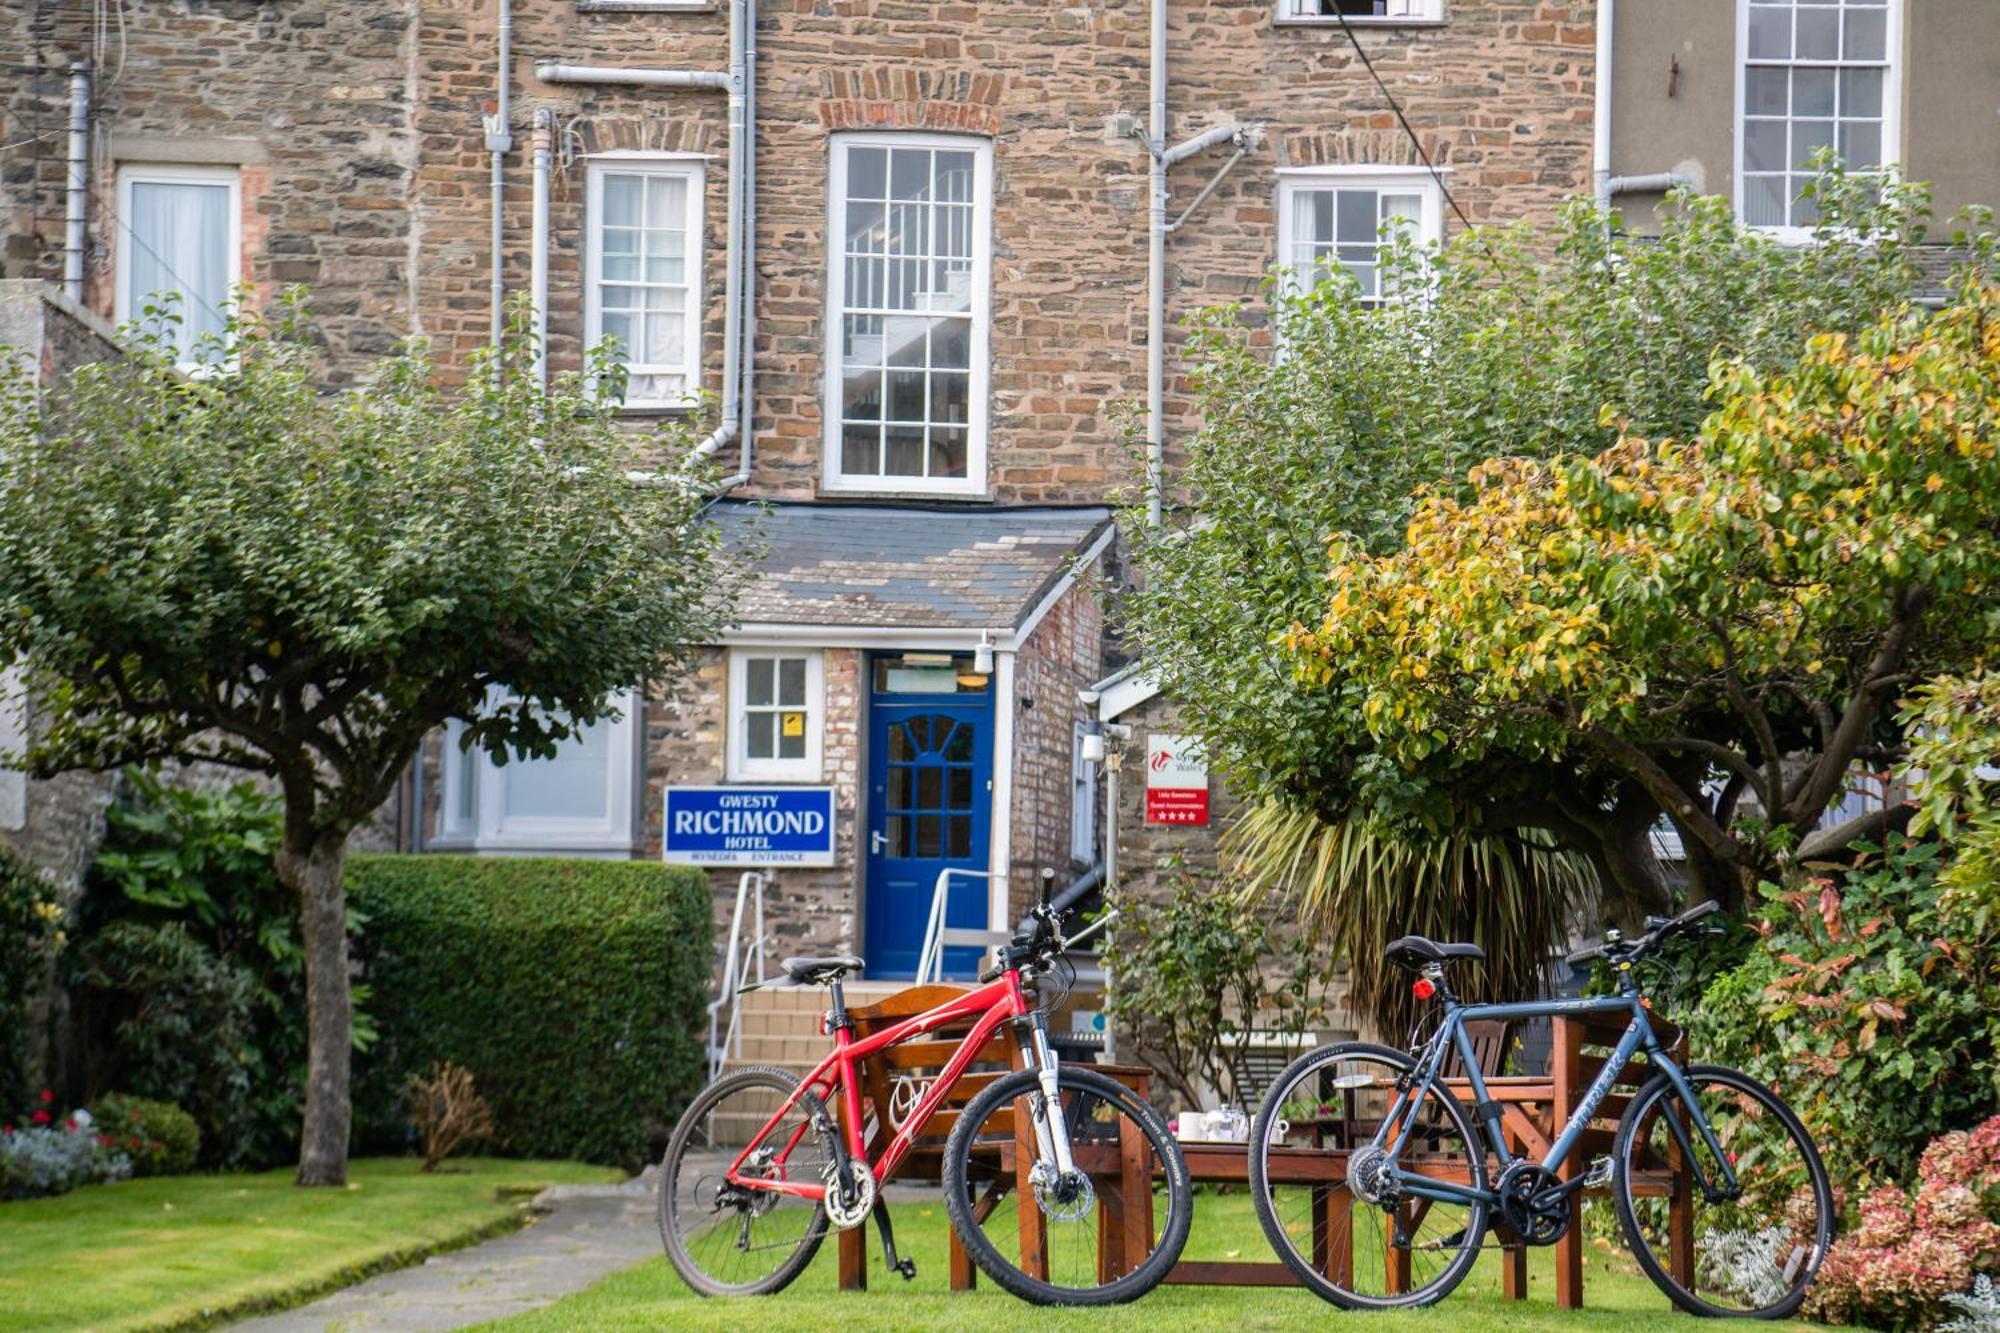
(1356, 886)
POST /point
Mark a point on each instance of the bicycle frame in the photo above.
(1638, 1035)
(1000, 1001)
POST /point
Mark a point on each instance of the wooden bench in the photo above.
(1326, 1171)
(893, 1080)
(1533, 1109)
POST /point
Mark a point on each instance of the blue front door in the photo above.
(930, 798)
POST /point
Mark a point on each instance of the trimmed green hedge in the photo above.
(575, 991)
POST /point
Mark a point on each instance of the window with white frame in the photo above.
(1360, 11)
(1340, 221)
(776, 715)
(179, 236)
(577, 800)
(643, 284)
(908, 311)
(1815, 74)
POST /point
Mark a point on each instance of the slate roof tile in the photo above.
(902, 567)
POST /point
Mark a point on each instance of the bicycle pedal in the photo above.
(908, 1268)
(1599, 1174)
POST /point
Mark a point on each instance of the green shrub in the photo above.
(165, 1018)
(1873, 1003)
(159, 1137)
(31, 934)
(575, 991)
(201, 858)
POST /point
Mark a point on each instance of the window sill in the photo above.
(829, 490)
(798, 779)
(645, 7)
(1328, 21)
(658, 409)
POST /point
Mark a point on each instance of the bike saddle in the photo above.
(819, 971)
(1414, 951)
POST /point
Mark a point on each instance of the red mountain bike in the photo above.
(758, 1169)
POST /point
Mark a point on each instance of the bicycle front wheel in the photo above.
(1107, 1232)
(1742, 1253)
(1314, 1138)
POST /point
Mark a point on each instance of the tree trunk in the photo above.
(310, 865)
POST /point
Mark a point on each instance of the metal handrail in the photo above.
(930, 959)
(738, 957)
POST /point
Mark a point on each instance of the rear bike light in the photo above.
(1423, 988)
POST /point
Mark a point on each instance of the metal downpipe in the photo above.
(538, 253)
(499, 140)
(77, 201)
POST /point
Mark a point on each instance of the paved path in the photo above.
(590, 1230)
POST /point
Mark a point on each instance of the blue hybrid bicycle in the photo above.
(1377, 1190)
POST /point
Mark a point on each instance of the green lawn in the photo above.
(191, 1249)
(1616, 1295)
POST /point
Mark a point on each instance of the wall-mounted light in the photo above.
(982, 656)
(1093, 747)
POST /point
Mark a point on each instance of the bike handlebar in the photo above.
(1038, 938)
(1659, 929)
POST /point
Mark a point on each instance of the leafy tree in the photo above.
(1715, 630)
(1518, 342)
(239, 568)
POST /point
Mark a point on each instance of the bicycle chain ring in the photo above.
(1369, 1175)
(848, 1209)
(1528, 1206)
(1063, 1198)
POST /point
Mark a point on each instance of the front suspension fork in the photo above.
(1051, 1130)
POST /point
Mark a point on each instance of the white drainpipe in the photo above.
(1157, 229)
(737, 376)
(538, 254)
(499, 142)
(1600, 137)
(1605, 185)
(77, 204)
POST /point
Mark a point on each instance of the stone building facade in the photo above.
(946, 303)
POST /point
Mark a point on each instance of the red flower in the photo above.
(69, 1124)
(47, 1096)
(6, 1129)
(40, 1117)
(135, 1143)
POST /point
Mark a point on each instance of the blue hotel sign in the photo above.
(749, 826)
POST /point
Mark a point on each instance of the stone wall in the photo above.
(808, 910)
(358, 130)
(58, 823)
(1060, 658)
(310, 101)
(1151, 855)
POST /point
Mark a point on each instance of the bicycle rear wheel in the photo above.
(723, 1239)
(1319, 1117)
(1746, 1256)
(1107, 1234)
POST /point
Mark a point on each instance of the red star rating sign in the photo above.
(1176, 780)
